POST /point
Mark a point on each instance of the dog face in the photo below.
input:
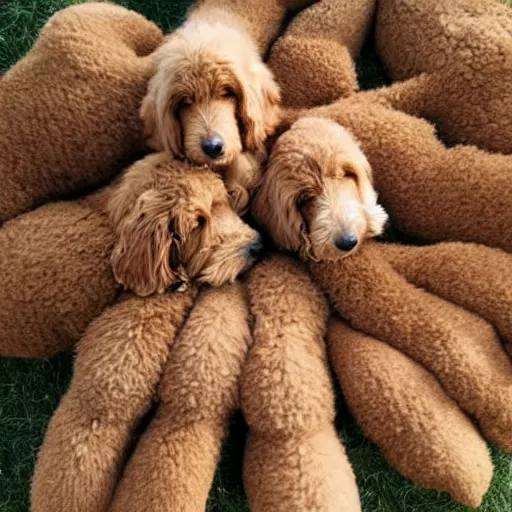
(211, 96)
(317, 195)
(174, 223)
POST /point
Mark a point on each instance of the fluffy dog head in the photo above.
(174, 223)
(211, 96)
(317, 195)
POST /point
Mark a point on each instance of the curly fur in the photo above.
(210, 80)
(175, 460)
(318, 188)
(321, 42)
(439, 307)
(69, 108)
(288, 401)
(424, 186)
(458, 62)
(163, 224)
(403, 409)
(118, 366)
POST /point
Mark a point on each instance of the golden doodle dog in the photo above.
(211, 98)
(164, 224)
(317, 196)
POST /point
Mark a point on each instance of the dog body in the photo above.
(69, 108)
(163, 224)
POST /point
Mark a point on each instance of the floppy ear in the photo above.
(277, 200)
(362, 173)
(147, 252)
(258, 106)
(159, 112)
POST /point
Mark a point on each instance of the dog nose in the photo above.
(253, 250)
(213, 146)
(346, 242)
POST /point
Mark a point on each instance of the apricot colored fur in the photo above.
(436, 194)
(427, 189)
(118, 366)
(293, 458)
(56, 265)
(175, 460)
(402, 408)
(399, 312)
(211, 98)
(458, 58)
(434, 313)
(320, 44)
(70, 107)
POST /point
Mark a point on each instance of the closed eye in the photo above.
(201, 221)
(228, 93)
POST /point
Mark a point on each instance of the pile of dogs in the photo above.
(159, 282)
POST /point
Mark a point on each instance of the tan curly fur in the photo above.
(320, 44)
(210, 83)
(118, 365)
(293, 458)
(318, 192)
(403, 409)
(175, 460)
(438, 306)
(169, 223)
(424, 186)
(458, 58)
(69, 108)
(431, 353)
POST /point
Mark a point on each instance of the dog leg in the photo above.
(475, 277)
(118, 366)
(174, 463)
(402, 408)
(460, 349)
(294, 459)
(321, 42)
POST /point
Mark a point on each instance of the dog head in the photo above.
(211, 96)
(317, 195)
(174, 223)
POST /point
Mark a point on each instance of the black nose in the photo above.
(254, 249)
(346, 242)
(213, 146)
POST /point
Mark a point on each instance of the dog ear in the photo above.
(147, 253)
(276, 204)
(160, 114)
(362, 173)
(258, 106)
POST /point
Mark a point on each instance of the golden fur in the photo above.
(174, 223)
(166, 223)
(443, 326)
(210, 83)
(438, 306)
(318, 192)
(294, 460)
(175, 460)
(69, 109)
(118, 365)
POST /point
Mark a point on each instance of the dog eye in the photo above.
(201, 221)
(303, 199)
(184, 102)
(350, 172)
(228, 93)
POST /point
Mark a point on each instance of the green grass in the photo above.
(30, 390)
